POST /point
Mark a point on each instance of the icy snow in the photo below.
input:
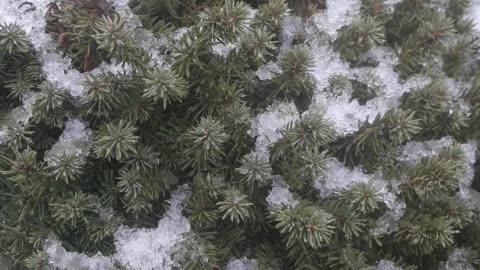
(55, 68)
(138, 249)
(387, 265)
(268, 71)
(18, 117)
(473, 13)
(412, 152)
(292, 26)
(338, 14)
(280, 195)
(268, 125)
(338, 177)
(241, 264)
(458, 259)
(63, 260)
(346, 113)
(148, 249)
(224, 50)
(58, 69)
(145, 38)
(75, 140)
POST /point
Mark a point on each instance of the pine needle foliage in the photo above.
(181, 112)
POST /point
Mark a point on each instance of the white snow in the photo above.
(338, 177)
(346, 113)
(458, 259)
(473, 13)
(144, 38)
(292, 25)
(387, 265)
(137, 249)
(280, 195)
(75, 140)
(268, 71)
(338, 14)
(17, 119)
(59, 258)
(267, 125)
(465, 182)
(412, 152)
(148, 249)
(241, 264)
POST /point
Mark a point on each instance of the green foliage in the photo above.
(434, 176)
(424, 234)
(304, 224)
(187, 121)
(203, 144)
(255, 170)
(272, 14)
(72, 209)
(427, 41)
(392, 129)
(359, 37)
(295, 78)
(226, 22)
(13, 40)
(374, 8)
(50, 106)
(472, 96)
(457, 58)
(428, 104)
(115, 140)
(235, 206)
(114, 41)
(166, 86)
(66, 167)
(364, 198)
